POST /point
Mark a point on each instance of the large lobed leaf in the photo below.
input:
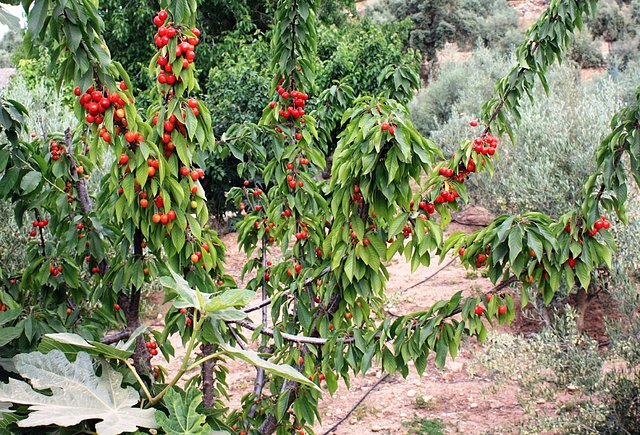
(183, 417)
(78, 394)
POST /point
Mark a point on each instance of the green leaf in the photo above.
(583, 273)
(10, 333)
(230, 298)
(38, 16)
(183, 418)
(70, 344)
(396, 225)
(30, 181)
(9, 315)
(78, 394)
(515, 243)
(9, 181)
(187, 297)
(281, 370)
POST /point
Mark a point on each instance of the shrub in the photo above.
(436, 22)
(457, 87)
(9, 44)
(238, 83)
(585, 52)
(356, 54)
(558, 361)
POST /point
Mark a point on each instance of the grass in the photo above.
(425, 426)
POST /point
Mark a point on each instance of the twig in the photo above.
(117, 336)
(81, 183)
(267, 301)
(41, 231)
(430, 276)
(339, 422)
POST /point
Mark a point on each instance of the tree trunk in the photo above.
(582, 303)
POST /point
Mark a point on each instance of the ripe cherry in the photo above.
(502, 309)
(479, 310)
(116, 307)
(385, 126)
(195, 258)
(123, 159)
(69, 311)
(473, 123)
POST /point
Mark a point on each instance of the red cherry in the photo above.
(162, 15)
(473, 123)
(479, 310)
(502, 309)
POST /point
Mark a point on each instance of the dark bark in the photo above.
(207, 377)
(582, 303)
(141, 357)
(81, 184)
(270, 424)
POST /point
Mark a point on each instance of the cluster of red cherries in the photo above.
(96, 103)
(294, 102)
(55, 270)
(485, 145)
(152, 346)
(600, 224)
(56, 150)
(185, 48)
(38, 224)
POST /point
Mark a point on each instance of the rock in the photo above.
(541, 401)
(476, 216)
(473, 405)
(447, 376)
(159, 316)
(353, 421)
(455, 366)
(411, 393)
(403, 415)
(379, 428)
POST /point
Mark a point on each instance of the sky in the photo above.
(15, 10)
